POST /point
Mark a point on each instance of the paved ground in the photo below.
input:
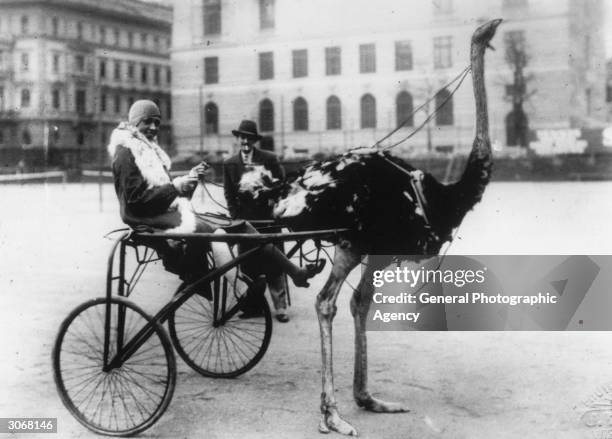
(460, 385)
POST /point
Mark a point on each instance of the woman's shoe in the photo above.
(310, 270)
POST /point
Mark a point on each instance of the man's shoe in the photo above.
(282, 317)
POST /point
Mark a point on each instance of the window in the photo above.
(25, 62)
(79, 30)
(130, 40)
(26, 137)
(266, 14)
(143, 41)
(444, 104)
(130, 101)
(211, 118)
(514, 3)
(55, 26)
(169, 109)
(55, 63)
(144, 74)
(300, 63)
(79, 61)
(102, 35)
(334, 113)
(212, 17)
(117, 70)
(25, 25)
(117, 36)
(404, 109)
(156, 43)
(80, 103)
(367, 58)
(2, 99)
(300, 114)
(131, 70)
(368, 111)
(266, 115)
(117, 104)
(168, 75)
(333, 65)
(266, 65)
(1, 136)
(403, 55)
(80, 138)
(55, 99)
(25, 98)
(103, 103)
(156, 75)
(442, 7)
(102, 68)
(211, 70)
(443, 52)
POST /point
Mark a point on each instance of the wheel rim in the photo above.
(226, 350)
(127, 399)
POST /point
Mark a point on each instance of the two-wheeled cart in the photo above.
(114, 365)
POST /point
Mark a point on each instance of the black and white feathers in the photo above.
(370, 193)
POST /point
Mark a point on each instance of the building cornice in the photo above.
(134, 11)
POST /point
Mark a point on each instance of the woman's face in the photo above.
(149, 127)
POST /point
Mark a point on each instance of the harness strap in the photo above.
(416, 182)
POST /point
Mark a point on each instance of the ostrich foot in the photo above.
(331, 421)
(368, 402)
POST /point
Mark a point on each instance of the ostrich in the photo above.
(391, 209)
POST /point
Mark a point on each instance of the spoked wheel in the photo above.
(211, 337)
(124, 400)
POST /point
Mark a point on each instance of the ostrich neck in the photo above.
(480, 95)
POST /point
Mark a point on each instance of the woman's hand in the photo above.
(185, 185)
(199, 170)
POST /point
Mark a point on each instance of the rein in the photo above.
(460, 77)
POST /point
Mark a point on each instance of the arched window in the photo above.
(211, 118)
(300, 114)
(25, 98)
(334, 113)
(266, 115)
(26, 137)
(368, 111)
(403, 109)
(444, 116)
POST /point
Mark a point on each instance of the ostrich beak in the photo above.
(491, 47)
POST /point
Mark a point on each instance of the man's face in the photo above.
(246, 143)
(149, 127)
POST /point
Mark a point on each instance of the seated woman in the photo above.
(149, 197)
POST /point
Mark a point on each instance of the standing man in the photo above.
(247, 208)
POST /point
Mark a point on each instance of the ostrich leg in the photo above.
(345, 260)
(360, 304)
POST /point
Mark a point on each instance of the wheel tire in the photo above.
(128, 399)
(224, 351)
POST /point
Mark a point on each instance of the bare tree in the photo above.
(518, 92)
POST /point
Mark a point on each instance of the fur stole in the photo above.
(152, 161)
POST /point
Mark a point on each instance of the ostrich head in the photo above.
(483, 35)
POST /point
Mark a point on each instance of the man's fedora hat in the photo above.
(247, 128)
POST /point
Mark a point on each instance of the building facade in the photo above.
(70, 69)
(325, 76)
